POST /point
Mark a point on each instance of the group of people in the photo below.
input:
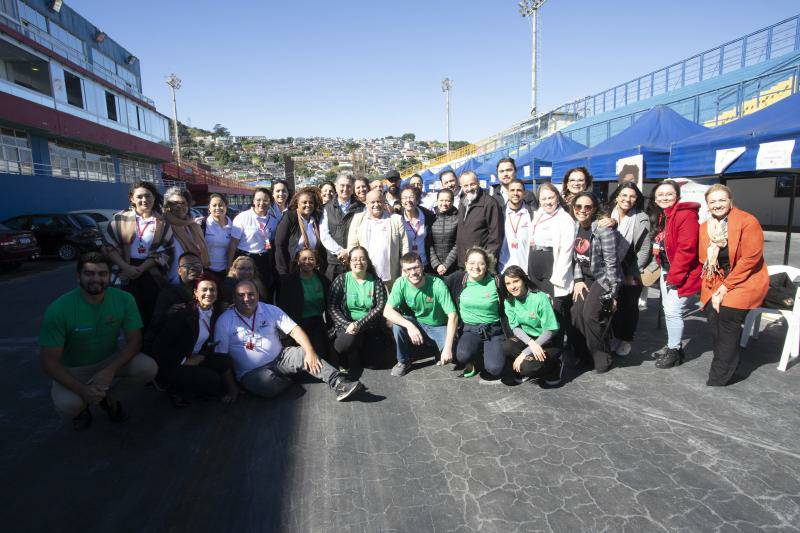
(501, 281)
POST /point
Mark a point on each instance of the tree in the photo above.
(223, 157)
(276, 158)
(455, 145)
(408, 137)
(221, 131)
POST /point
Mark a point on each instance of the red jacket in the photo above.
(681, 235)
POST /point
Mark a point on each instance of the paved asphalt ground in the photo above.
(636, 449)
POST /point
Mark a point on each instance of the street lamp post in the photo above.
(530, 9)
(175, 83)
(447, 84)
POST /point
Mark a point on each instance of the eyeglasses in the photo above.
(357, 260)
(414, 268)
(584, 207)
(192, 266)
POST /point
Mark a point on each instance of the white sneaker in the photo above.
(623, 349)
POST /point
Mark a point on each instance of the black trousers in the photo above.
(626, 318)
(204, 379)
(591, 321)
(362, 348)
(531, 367)
(540, 270)
(726, 328)
(334, 268)
(265, 264)
(317, 332)
(144, 290)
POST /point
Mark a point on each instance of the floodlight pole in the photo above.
(447, 84)
(530, 9)
(174, 83)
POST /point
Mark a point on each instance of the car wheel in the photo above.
(10, 267)
(67, 252)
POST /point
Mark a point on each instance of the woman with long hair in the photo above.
(634, 252)
(188, 234)
(139, 241)
(442, 251)
(243, 268)
(735, 277)
(184, 349)
(298, 229)
(356, 303)
(552, 236)
(477, 296)
(576, 180)
(533, 325)
(674, 230)
(303, 295)
(597, 278)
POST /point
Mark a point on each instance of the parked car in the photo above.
(15, 247)
(60, 234)
(201, 211)
(101, 216)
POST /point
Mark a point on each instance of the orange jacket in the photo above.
(748, 280)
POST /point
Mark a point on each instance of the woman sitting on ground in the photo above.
(356, 304)
(311, 311)
(634, 252)
(597, 279)
(735, 277)
(243, 268)
(476, 294)
(533, 324)
(184, 350)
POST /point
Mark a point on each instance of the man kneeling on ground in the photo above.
(427, 298)
(78, 343)
(248, 332)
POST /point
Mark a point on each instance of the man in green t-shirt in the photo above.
(423, 314)
(79, 344)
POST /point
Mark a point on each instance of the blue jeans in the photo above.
(486, 337)
(674, 310)
(433, 336)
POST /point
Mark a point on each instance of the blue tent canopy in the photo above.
(650, 136)
(470, 164)
(553, 148)
(488, 168)
(696, 156)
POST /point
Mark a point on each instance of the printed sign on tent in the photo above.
(631, 169)
(726, 157)
(776, 154)
(526, 171)
(546, 172)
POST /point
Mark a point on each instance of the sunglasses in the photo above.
(584, 207)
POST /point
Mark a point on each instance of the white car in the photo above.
(101, 216)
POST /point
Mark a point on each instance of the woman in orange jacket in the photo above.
(734, 278)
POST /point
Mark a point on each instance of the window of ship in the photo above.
(24, 69)
(75, 162)
(132, 170)
(15, 152)
(74, 88)
(111, 106)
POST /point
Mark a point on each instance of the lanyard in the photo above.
(251, 326)
(140, 230)
(519, 220)
(412, 228)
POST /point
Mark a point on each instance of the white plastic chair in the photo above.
(752, 324)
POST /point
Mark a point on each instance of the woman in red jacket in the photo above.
(735, 277)
(675, 232)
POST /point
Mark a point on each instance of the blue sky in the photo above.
(354, 68)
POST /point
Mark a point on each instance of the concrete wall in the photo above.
(757, 196)
(29, 194)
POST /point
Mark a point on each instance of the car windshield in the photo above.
(84, 221)
(3, 227)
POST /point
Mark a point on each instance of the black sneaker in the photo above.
(672, 357)
(177, 400)
(555, 379)
(401, 369)
(113, 409)
(83, 420)
(344, 389)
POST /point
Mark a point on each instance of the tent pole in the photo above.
(790, 221)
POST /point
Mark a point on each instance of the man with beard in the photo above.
(393, 191)
(480, 222)
(449, 180)
(507, 171)
(79, 350)
(516, 243)
(249, 334)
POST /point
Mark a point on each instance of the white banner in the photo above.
(726, 157)
(631, 169)
(546, 172)
(776, 154)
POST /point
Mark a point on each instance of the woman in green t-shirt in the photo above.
(356, 304)
(310, 311)
(476, 294)
(533, 325)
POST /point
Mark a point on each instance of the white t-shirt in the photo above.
(515, 248)
(145, 233)
(416, 235)
(217, 239)
(310, 233)
(253, 231)
(378, 245)
(543, 228)
(252, 342)
(205, 329)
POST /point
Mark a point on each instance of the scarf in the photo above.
(303, 234)
(190, 235)
(625, 228)
(717, 239)
(121, 232)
